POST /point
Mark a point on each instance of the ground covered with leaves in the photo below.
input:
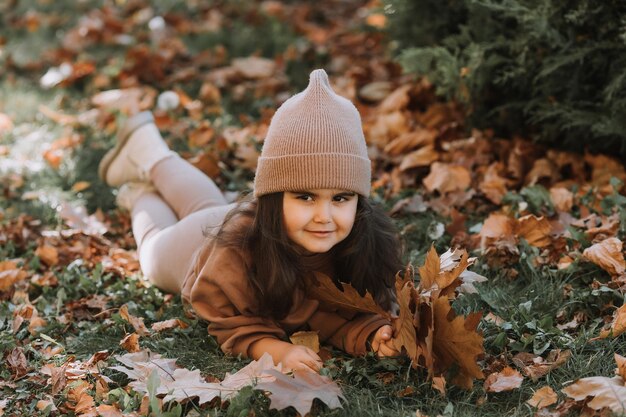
(82, 333)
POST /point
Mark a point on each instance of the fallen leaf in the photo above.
(403, 329)
(300, 391)
(17, 362)
(621, 366)
(136, 322)
(606, 392)
(493, 186)
(562, 199)
(254, 67)
(506, 380)
(422, 157)
(168, 325)
(48, 254)
(308, 339)
(618, 326)
(44, 404)
(439, 383)
(10, 274)
(446, 178)
(106, 410)
(130, 342)
(607, 255)
(536, 230)
(411, 140)
(543, 397)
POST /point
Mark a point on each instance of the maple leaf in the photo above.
(404, 330)
(543, 397)
(300, 391)
(324, 290)
(456, 342)
(506, 380)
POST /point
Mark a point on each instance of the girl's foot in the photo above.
(130, 192)
(139, 147)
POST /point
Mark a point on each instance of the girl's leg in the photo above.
(184, 187)
(168, 226)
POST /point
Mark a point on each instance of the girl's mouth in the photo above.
(320, 233)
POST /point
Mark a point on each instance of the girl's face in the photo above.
(317, 220)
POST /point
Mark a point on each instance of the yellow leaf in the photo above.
(543, 397)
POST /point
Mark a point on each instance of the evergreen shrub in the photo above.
(551, 69)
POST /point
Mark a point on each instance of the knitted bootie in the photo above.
(139, 147)
(130, 192)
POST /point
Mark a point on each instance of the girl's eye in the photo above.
(305, 197)
(341, 198)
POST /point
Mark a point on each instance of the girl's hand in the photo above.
(382, 344)
(301, 358)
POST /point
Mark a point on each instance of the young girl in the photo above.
(244, 267)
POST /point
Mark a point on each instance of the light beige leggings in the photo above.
(168, 225)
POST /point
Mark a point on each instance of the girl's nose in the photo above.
(322, 213)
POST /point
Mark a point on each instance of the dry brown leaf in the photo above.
(430, 270)
(439, 383)
(48, 254)
(606, 392)
(536, 367)
(403, 329)
(397, 100)
(618, 326)
(604, 168)
(300, 391)
(309, 339)
(324, 290)
(130, 343)
(17, 362)
(542, 169)
(607, 255)
(136, 322)
(536, 230)
(506, 380)
(387, 127)
(493, 185)
(168, 325)
(562, 198)
(10, 274)
(543, 397)
(411, 140)
(254, 67)
(422, 157)
(447, 178)
(106, 410)
(456, 342)
(621, 366)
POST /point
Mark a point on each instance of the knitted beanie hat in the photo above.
(314, 141)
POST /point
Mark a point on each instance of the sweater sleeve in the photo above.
(345, 331)
(222, 295)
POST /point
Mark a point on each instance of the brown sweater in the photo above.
(217, 288)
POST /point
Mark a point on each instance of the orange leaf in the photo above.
(607, 255)
(168, 325)
(621, 366)
(562, 199)
(324, 290)
(446, 178)
(48, 254)
(455, 344)
(130, 342)
(10, 274)
(420, 158)
(430, 271)
(493, 185)
(543, 397)
(506, 380)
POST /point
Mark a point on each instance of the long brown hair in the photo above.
(368, 258)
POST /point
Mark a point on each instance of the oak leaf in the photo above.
(506, 380)
(300, 391)
(324, 290)
(607, 255)
(543, 397)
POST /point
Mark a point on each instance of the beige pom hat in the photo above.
(314, 141)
